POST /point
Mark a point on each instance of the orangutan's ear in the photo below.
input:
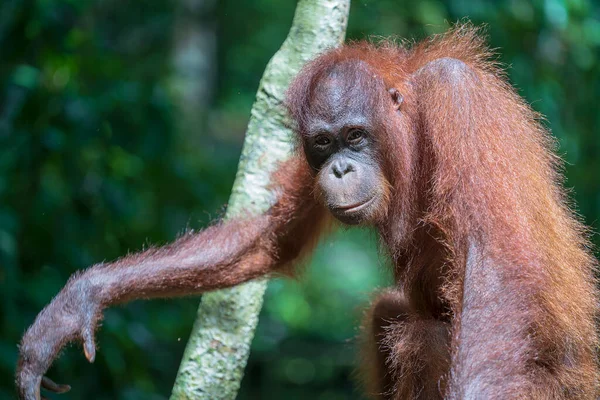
(396, 97)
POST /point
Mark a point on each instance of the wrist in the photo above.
(82, 293)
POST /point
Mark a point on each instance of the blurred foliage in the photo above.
(92, 167)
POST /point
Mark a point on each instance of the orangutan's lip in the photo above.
(352, 208)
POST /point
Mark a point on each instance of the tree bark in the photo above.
(219, 345)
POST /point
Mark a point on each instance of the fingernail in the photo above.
(89, 351)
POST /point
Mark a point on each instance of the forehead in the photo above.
(346, 93)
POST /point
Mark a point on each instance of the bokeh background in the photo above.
(121, 123)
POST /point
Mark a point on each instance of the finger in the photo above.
(49, 384)
(28, 385)
(89, 347)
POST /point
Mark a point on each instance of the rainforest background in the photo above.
(121, 124)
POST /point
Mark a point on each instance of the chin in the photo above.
(349, 219)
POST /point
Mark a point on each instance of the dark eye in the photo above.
(355, 136)
(322, 140)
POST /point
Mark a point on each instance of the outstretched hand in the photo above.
(71, 316)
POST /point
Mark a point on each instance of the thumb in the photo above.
(89, 346)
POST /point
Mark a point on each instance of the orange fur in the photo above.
(478, 226)
(495, 295)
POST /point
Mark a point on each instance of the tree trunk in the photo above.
(219, 345)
